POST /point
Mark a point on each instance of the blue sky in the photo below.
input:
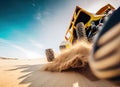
(28, 27)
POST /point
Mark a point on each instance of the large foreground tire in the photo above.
(80, 30)
(49, 54)
(105, 60)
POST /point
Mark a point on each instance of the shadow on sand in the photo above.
(38, 78)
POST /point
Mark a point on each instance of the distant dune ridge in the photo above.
(8, 58)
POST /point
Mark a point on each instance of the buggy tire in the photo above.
(80, 31)
(63, 45)
(107, 66)
(49, 54)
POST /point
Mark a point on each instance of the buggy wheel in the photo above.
(63, 45)
(49, 54)
(80, 31)
(105, 59)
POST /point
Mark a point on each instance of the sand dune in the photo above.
(26, 73)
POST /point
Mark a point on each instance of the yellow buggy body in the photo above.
(81, 15)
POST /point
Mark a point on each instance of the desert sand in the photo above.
(27, 73)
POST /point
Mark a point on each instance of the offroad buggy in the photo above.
(83, 25)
